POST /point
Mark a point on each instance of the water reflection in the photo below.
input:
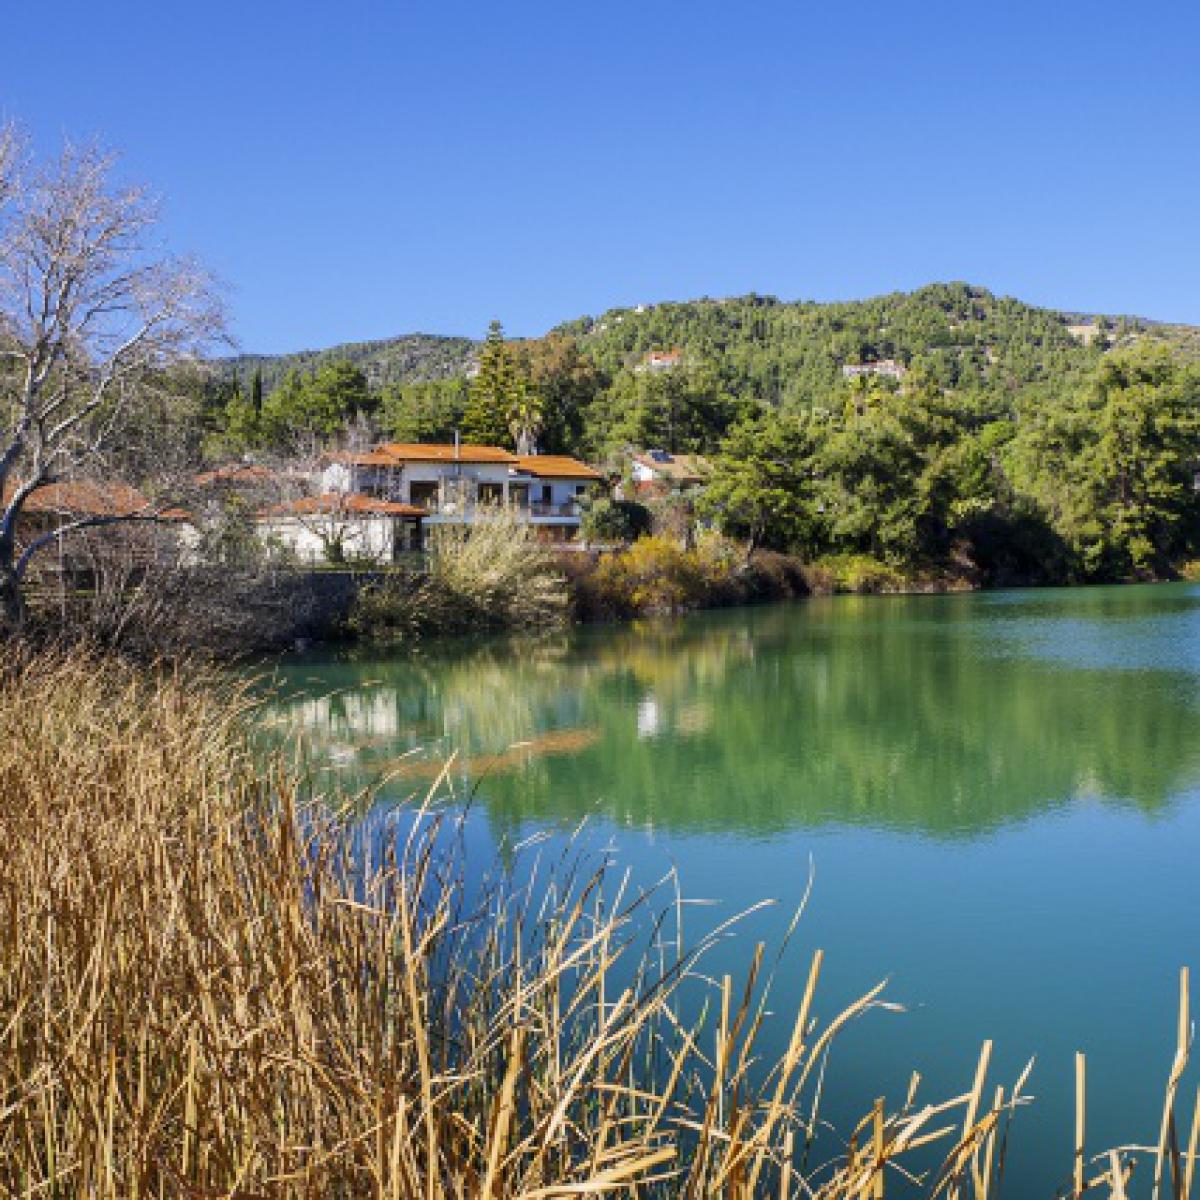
(949, 716)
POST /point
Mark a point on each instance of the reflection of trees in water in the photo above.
(888, 713)
(478, 705)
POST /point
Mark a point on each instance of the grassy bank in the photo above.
(210, 986)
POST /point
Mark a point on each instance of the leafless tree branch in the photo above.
(92, 310)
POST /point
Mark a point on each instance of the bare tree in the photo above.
(92, 313)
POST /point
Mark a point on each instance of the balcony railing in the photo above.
(569, 509)
(468, 508)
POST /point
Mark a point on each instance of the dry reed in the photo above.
(213, 986)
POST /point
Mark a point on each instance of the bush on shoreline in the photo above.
(655, 575)
(493, 574)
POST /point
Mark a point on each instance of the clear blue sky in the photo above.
(359, 169)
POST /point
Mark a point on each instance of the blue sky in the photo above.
(361, 169)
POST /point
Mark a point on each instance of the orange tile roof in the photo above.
(344, 504)
(556, 466)
(235, 471)
(681, 468)
(363, 458)
(431, 452)
(85, 498)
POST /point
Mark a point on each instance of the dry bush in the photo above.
(658, 575)
(491, 574)
(212, 986)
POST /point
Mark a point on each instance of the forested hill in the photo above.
(791, 353)
(410, 358)
(787, 352)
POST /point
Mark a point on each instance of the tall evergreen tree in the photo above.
(496, 391)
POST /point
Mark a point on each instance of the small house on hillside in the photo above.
(884, 368)
(658, 471)
(661, 360)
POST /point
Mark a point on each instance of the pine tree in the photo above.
(493, 393)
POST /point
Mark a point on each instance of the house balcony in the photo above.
(467, 510)
(569, 509)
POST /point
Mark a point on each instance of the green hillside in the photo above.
(787, 352)
(410, 358)
(792, 352)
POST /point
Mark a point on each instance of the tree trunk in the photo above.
(12, 602)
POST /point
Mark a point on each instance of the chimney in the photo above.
(457, 447)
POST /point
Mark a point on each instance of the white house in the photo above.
(656, 470)
(885, 368)
(342, 526)
(661, 360)
(450, 484)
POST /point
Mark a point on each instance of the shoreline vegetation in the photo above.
(492, 577)
(236, 989)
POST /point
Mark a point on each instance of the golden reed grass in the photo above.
(212, 986)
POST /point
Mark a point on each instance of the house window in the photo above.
(491, 493)
(547, 494)
(423, 494)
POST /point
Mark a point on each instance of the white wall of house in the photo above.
(447, 473)
(337, 477)
(362, 477)
(376, 538)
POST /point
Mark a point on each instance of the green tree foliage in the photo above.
(567, 382)
(1114, 466)
(501, 408)
(424, 412)
(412, 358)
(791, 354)
(883, 490)
(763, 486)
(1098, 484)
(606, 519)
(316, 406)
(683, 410)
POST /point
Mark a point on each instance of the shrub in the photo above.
(860, 573)
(612, 521)
(656, 575)
(653, 576)
(492, 574)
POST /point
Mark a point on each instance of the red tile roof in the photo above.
(556, 466)
(85, 498)
(432, 452)
(233, 472)
(363, 458)
(344, 504)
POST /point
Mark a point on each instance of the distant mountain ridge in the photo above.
(408, 358)
(784, 350)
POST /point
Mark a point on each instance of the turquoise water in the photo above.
(999, 795)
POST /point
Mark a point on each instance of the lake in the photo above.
(999, 794)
